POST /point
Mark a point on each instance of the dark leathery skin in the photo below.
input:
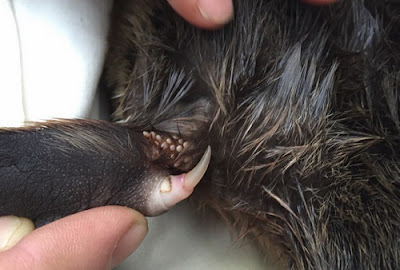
(53, 171)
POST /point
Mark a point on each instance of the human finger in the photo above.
(204, 13)
(98, 238)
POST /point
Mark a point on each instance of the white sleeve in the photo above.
(61, 51)
(11, 109)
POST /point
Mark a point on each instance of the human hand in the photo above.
(214, 13)
(98, 238)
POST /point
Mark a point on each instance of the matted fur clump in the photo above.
(300, 105)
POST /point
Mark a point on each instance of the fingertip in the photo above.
(204, 13)
(218, 12)
(137, 217)
(129, 242)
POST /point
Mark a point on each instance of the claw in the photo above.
(175, 188)
(193, 177)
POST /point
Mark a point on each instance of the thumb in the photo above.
(98, 238)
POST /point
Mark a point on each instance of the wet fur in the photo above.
(301, 107)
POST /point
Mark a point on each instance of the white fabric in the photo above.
(11, 109)
(51, 54)
(62, 45)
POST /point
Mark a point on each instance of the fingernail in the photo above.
(216, 11)
(129, 242)
(13, 229)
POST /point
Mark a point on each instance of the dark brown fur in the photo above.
(301, 107)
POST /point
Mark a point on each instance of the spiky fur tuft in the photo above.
(301, 107)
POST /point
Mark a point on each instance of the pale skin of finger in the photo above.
(204, 13)
(98, 238)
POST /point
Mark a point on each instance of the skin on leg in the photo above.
(55, 169)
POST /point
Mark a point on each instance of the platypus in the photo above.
(299, 104)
